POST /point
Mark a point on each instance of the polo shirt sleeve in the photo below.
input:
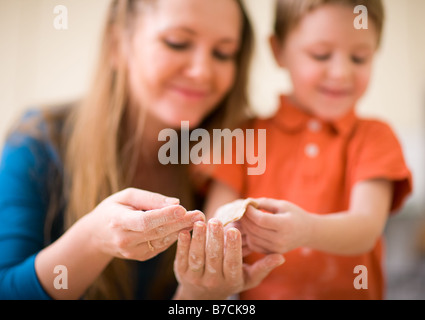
(22, 216)
(380, 155)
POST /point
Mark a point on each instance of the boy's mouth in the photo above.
(335, 92)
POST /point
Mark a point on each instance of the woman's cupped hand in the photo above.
(137, 225)
(209, 263)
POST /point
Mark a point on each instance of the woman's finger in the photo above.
(167, 220)
(143, 200)
(214, 250)
(197, 249)
(164, 243)
(260, 269)
(187, 221)
(232, 263)
(182, 254)
(143, 221)
(160, 238)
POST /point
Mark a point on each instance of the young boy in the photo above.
(331, 178)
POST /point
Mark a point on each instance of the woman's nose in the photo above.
(200, 66)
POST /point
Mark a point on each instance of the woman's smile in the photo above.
(189, 93)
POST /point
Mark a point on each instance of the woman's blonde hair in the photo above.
(289, 13)
(100, 155)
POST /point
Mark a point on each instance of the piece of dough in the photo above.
(233, 211)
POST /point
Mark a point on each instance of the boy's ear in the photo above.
(277, 50)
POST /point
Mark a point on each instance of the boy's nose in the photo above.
(340, 68)
(200, 66)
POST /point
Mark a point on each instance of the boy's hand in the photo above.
(287, 228)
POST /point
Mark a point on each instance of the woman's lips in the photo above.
(191, 94)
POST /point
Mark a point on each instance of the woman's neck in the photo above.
(149, 173)
(144, 129)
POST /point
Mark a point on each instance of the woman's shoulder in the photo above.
(36, 136)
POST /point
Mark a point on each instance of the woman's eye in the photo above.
(358, 60)
(223, 56)
(177, 45)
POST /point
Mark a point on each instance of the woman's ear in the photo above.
(118, 48)
(277, 50)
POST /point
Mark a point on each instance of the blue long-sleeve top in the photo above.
(24, 199)
(23, 207)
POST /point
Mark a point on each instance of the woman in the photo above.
(81, 187)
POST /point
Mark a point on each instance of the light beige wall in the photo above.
(40, 64)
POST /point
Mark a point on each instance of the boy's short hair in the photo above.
(290, 12)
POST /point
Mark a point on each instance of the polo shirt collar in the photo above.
(292, 119)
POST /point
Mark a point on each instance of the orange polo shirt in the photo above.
(315, 165)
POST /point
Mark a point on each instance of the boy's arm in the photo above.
(346, 233)
(218, 195)
(357, 230)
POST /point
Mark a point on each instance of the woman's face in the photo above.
(181, 58)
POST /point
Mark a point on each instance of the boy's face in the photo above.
(329, 60)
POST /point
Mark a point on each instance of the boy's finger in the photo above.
(263, 220)
(257, 244)
(272, 205)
